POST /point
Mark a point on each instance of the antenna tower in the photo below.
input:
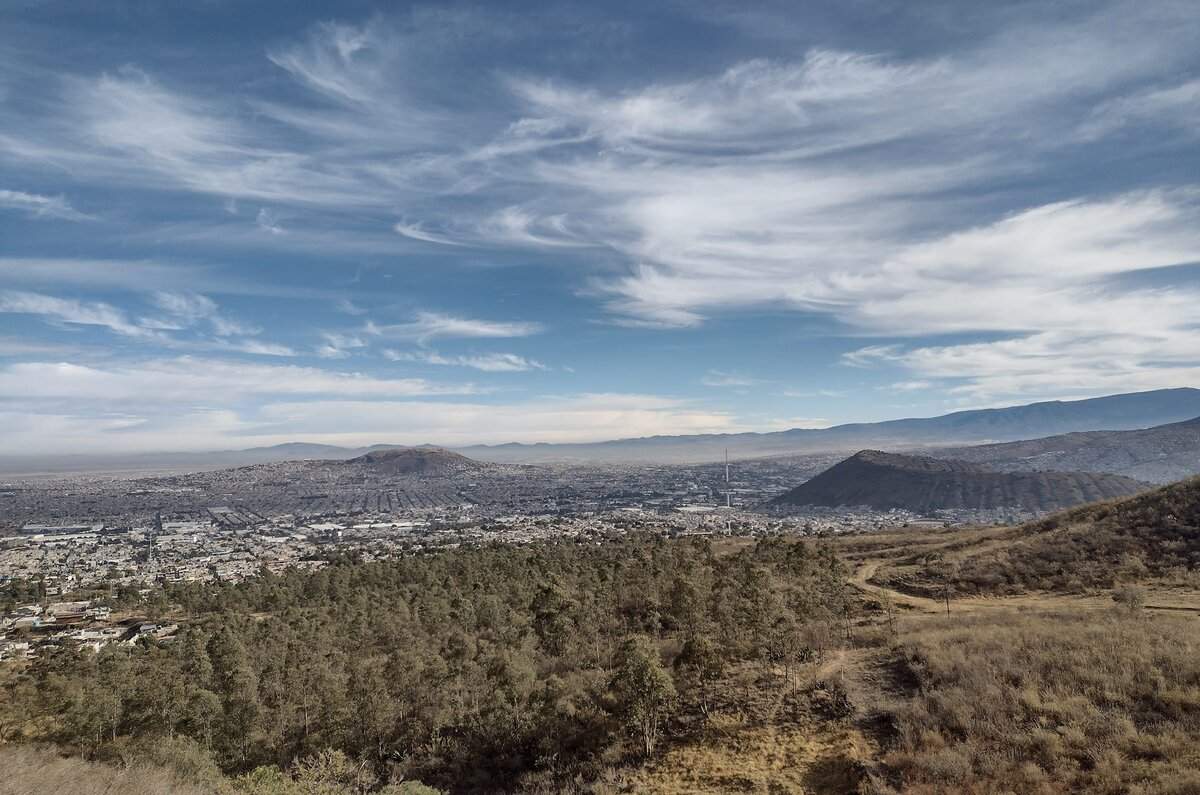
(728, 497)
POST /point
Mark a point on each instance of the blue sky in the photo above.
(228, 224)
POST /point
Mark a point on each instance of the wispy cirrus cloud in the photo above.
(719, 378)
(38, 206)
(336, 345)
(177, 312)
(906, 196)
(488, 362)
(75, 313)
(189, 380)
(435, 325)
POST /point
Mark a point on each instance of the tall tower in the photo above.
(154, 533)
(727, 504)
(728, 498)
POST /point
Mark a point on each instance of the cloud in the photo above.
(179, 312)
(348, 307)
(1176, 106)
(813, 393)
(269, 222)
(869, 355)
(790, 423)
(722, 379)
(178, 424)
(73, 312)
(191, 381)
(37, 206)
(577, 418)
(433, 325)
(187, 309)
(901, 195)
(20, 346)
(1083, 363)
(488, 363)
(338, 346)
(910, 386)
(418, 231)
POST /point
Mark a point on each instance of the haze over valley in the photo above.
(599, 398)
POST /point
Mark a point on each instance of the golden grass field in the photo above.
(1037, 692)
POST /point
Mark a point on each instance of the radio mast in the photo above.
(728, 498)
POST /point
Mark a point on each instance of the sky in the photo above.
(227, 224)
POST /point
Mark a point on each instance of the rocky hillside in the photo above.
(1162, 454)
(917, 483)
(414, 461)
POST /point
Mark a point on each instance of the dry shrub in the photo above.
(1082, 703)
(28, 770)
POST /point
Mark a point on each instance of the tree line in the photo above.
(482, 668)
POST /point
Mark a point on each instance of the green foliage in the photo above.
(471, 669)
(642, 691)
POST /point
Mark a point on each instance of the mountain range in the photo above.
(1138, 410)
(922, 484)
(1162, 454)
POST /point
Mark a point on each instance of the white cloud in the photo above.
(790, 423)
(813, 393)
(58, 428)
(488, 363)
(188, 309)
(588, 417)
(881, 191)
(348, 307)
(37, 206)
(433, 325)
(869, 355)
(188, 380)
(723, 379)
(73, 312)
(1083, 363)
(181, 311)
(268, 221)
(338, 346)
(1177, 106)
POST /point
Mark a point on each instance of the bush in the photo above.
(1096, 703)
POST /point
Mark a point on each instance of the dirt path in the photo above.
(861, 578)
(1177, 600)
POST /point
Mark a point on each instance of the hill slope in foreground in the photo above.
(1162, 454)
(1156, 534)
(917, 483)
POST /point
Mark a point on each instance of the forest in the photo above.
(1056, 656)
(496, 668)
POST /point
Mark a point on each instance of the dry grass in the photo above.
(1098, 703)
(734, 757)
(35, 771)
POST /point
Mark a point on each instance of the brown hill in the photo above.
(1153, 534)
(414, 461)
(918, 483)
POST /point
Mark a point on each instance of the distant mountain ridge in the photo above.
(977, 426)
(1162, 454)
(1137, 410)
(922, 484)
